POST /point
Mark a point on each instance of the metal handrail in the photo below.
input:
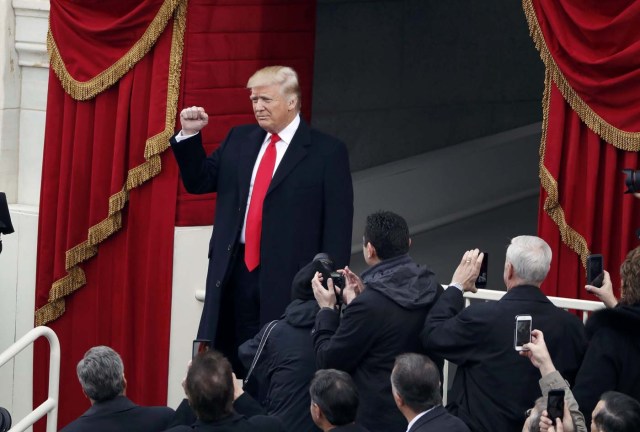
(50, 406)
(585, 306)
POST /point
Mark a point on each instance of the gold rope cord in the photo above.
(552, 206)
(629, 141)
(83, 90)
(154, 146)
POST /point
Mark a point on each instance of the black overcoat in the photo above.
(308, 209)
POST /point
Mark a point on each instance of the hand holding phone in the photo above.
(522, 332)
(555, 404)
(595, 270)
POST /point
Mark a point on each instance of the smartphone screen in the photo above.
(522, 331)
(555, 404)
(200, 346)
(481, 281)
(595, 270)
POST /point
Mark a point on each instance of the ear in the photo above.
(316, 412)
(124, 380)
(371, 251)
(397, 398)
(409, 241)
(292, 102)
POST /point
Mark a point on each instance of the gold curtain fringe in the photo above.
(60, 289)
(552, 206)
(83, 90)
(136, 176)
(628, 141)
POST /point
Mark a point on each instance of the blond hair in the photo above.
(283, 76)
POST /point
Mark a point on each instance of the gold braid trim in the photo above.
(135, 177)
(83, 90)
(552, 206)
(629, 141)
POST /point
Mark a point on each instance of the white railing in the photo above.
(584, 306)
(50, 406)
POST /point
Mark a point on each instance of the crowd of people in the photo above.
(367, 355)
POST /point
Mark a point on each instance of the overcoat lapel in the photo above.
(248, 158)
(295, 153)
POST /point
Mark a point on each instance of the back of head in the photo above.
(209, 386)
(620, 413)
(282, 76)
(388, 233)
(630, 275)
(415, 377)
(533, 421)
(101, 374)
(530, 257)
(335, 393)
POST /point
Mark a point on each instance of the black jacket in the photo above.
(494, 385)
(286, 366)
(438, 420)
(381, 323)
(120, 414)
(611, 361)
(308, 209)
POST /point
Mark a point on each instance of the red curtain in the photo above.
(105, 238)
(591, 51)
(105, 246)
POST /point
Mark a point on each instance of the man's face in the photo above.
(273, 110)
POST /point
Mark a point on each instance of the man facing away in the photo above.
(415, 383)
(494, 385)
(284, 194)
(334, 401)
(101, 375)
(382, 321)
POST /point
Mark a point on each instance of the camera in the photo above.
(631, 180)
(328, 271)
(5, 420)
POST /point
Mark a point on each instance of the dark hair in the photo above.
(620, 413)
(417, 380)
(209, 386)
(336, 395)
(630, 275)
(388, 233)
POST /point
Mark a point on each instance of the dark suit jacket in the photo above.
(353, 427)
(120, 414)
(439, 420)
(308, 209)
(235, 423)
(494, 385)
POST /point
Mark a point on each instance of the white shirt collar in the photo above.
(415, 419)
(287, 133)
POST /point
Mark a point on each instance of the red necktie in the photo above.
(253, 230)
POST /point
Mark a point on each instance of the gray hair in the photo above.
(101, 373)
(530, 257)
(283, 76)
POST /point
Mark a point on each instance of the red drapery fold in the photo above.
(591, 51)
(98, 155)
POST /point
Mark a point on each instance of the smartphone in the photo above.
(200, 346)
(481, 281)
(522, 334)
(555, 404)
(595, 270)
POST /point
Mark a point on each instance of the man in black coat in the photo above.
(101, 374)
(382, 321)
(494, 385)
(334, 401)
(211, 392)
(286, 363)
(284, 193)
(415, 383)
